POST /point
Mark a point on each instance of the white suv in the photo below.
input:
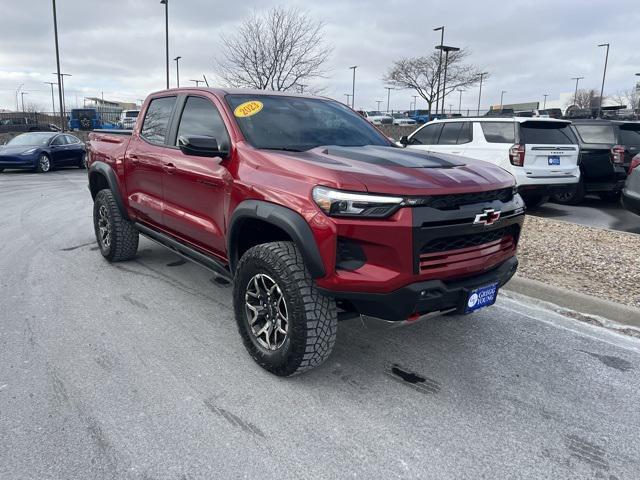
(541, 153)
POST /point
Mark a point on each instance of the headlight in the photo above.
(31, 151)
(346, 204)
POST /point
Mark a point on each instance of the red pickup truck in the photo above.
(309, 210)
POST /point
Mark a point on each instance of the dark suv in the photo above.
(606, 150)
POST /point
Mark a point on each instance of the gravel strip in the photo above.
(597, 262)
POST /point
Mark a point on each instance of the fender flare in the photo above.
(284, 218)
(103, 169)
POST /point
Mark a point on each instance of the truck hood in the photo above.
(399, 171)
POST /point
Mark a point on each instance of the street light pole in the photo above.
(353, 88)
(460, 101)
(415, 102)
(53, 103)
(197, 82)
(177, 59)
(378, 102)
(441, 29)
(388, 96)
(604, 74)
(446, 49)
(501, 98)
(55, 33)
(22, 94)
(166, 34)
(575, 95)
(347, 95)
(544, 105)
(480, 91)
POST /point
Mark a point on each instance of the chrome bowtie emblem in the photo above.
(488, 217)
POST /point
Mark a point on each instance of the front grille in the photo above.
(453, 201)
(478, 251)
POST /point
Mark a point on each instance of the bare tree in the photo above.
(280, 49)
(585, 99)
(421, 74)
(629, 98)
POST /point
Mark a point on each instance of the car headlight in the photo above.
(347, 204)
(31, 151)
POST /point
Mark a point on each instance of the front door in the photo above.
(196, 189)
(144, 160)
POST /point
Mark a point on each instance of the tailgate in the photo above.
(551, 149)
(629, 138)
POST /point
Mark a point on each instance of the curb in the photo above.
(578, 302)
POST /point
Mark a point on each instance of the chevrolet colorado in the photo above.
(309, 210)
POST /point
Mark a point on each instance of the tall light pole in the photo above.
(446, 50)
(415, 102)
(347, 95)
(22, 94)
(166, 33)
(388, 96)
(53, 103)
(55, 33)
(575, 94)
(353, 88)
(544, 105)
(481, 75)
(378, 102)
(441, 29)
(18, 93)
(604, 74)
(177, 59)
(460, 101)
(501, 98)
(197, 82)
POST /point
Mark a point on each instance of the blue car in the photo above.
(42, 151)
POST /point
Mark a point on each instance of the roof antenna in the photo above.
(205, 80)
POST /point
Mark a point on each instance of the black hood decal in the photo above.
(394, 157)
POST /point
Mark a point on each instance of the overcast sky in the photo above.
(117, 46)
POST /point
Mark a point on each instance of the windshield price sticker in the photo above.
(248, 109)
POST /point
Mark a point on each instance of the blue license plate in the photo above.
(481, 297)
(554, 160)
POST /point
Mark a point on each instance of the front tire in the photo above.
(286, 324)
(44, 164)
(117, 237)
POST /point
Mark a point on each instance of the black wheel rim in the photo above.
(104, 227)
(266, 312)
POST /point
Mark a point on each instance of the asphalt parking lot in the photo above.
(136, 370)
(592, 212)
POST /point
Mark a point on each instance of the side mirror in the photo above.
(200, 146)
(404, 140)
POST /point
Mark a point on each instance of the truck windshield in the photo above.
(293, 123)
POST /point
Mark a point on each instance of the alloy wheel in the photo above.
(104, 227)
(45, 164)
(266, 312)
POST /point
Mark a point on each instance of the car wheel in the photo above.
(610, 196)
(534, 201)
(570, 196)
(44, 164)
(83, 162)
(117, 237)
(286, 324)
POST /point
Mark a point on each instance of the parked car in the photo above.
(549, 113)
(542, 154)
(312, 212)
(42, 151)
(401, 119)
(503, 112)
(128, 119)
(85, 119)
(376, 117)
(420, 116)
(631, 190)
(606, 150)
(25, 124)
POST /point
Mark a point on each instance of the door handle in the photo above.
(134, 158)
(169, 167)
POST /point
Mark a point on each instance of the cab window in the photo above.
(156, 120)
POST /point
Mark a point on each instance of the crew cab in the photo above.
(542, 154)
(309, 210)
(606, 150)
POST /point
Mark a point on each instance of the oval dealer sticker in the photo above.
(247, 109)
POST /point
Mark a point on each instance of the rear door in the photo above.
(59, 151)
(492, 141)
(196, 189)
(551, 149)
(144, 160)
(76, 149)
(596, 140)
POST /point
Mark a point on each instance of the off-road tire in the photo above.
(42, 166)
(123, 242)
(574, 196)
(313, 319)
(534, 201)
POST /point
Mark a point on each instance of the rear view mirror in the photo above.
(404, 140)
(200, 146)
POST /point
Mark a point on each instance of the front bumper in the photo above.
(424, 297)
(17, 161)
